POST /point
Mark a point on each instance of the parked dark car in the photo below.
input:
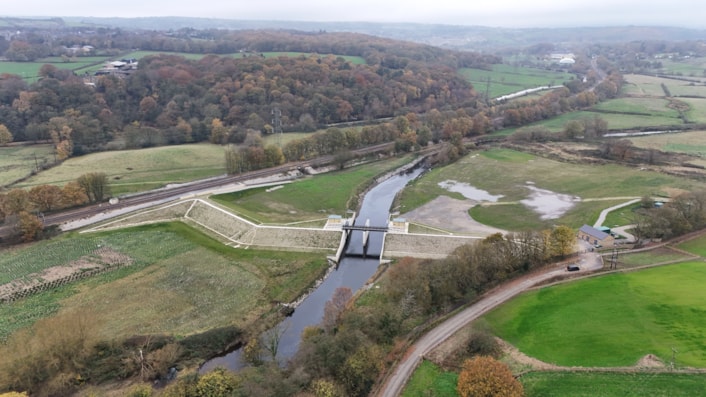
(573, 268)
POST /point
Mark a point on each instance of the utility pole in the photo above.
(614, 259)
(277, 124)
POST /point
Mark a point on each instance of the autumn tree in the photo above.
(483, 376)
(16, 201)
(72, 195)
(29, 226)
(5, 135)
(334, 307)
(563, 240)
(95, 185)
(234, 160)
(45, 197)
(219, 133)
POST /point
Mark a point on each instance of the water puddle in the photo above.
(468, 191)
(550, 205)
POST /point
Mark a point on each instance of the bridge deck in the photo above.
(366, 228)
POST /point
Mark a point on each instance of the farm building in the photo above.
(595, 236)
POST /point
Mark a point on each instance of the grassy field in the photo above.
(30, 70)
(692, 67)
(592, 384)
(652, 86)
(696, 246)
(660, 255)
(506, 79)
(430, 380)
(689, 142)
(697, 113)
(17, 162)
(310, 198)
(632, 315)
(190, 284)
(506, 172)
(139, 170)
(645, 106)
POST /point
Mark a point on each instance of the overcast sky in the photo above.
(506, 13)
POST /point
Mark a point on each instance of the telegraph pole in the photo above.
(277, 124)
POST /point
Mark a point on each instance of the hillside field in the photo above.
(17, 162)
(132, 171)
(506, 79)
(189, 285)
(632, 315)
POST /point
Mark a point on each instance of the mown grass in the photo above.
(646, 106)
(430, 380)
(29, 71)
(17, 162)
(181, 282)
(310, 198)
(631, 315)
(592, 384)
(652, 86)
(696, 246)
(697, 111)
(506, 172)
(685, 67)
(690, 142)
(506, 79)
(663, 255)
(132, 171)
(621, 216)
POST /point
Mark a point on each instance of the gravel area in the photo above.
(450, 214)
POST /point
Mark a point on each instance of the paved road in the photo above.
(396, 382)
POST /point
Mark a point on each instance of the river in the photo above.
(352, 272)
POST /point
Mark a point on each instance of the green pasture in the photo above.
(696, 246)
(621, 216)
(191, 283)
(606, 384)
(631, 315)
(659, 255)
(132, 171)
(697, 111)
(30, 70)
(506, 172)
(652, 86)
(689, 142)
(430, 380)
(17, 162)
(615, 121)
(310, 198)
(284, 138)
(506, 79)
(692, 67)
(643, 106)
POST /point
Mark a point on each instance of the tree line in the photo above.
(23, 208)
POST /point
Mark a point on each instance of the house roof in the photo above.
(593, 232)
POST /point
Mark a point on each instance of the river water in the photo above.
(352, 272)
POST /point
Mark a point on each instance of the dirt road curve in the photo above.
(396, 382)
